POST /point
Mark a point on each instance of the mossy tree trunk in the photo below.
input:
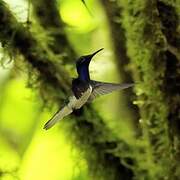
(153, 44)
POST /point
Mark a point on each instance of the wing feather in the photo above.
(102, 88)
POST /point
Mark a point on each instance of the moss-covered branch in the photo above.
(19, 38)
(170, 18)
(114, 16)
(49, 17)
(149, 26)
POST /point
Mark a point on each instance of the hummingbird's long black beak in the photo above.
(93, 54)
(87, 58)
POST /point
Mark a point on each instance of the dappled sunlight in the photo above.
(20, 8)
(49, 156)
(18, 105)
(8, 157)
(76, 16)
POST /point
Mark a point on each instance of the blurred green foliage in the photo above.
(27, 151)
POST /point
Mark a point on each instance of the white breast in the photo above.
(75, 103)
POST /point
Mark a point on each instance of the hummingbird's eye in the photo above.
(81, 60)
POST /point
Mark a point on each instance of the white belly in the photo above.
(75, 103)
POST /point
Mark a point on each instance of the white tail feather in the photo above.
(58, 116)
(74, 103)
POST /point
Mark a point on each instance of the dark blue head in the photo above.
(82, 66)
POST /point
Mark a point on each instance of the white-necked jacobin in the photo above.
(84, 90)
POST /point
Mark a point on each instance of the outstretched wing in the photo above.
(102, 88)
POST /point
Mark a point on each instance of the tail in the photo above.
(57, 117)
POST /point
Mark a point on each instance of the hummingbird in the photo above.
(84, 90)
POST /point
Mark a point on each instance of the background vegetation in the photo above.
(134, 134)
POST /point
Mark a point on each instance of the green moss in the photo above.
(146, 46)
